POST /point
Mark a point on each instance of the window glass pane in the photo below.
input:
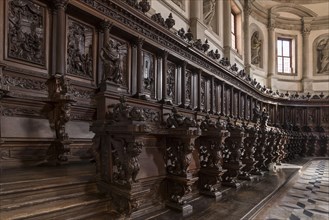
(280, 65)
(279, 47)
(232, 23)
(286, 48)
(286, 65)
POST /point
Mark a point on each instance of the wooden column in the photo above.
(199, 90)
(223, 100)
(232, 102)
(164, 76)
(140, 76)
(183, 84)
(60, 6)
(212, 95)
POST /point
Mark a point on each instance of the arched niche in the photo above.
(256, 46)
(321, 55)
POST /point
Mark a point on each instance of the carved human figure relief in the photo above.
(208, 11)
(256, 44)
(323, 56)
(79, 49)
(113, 55)
(26, 31)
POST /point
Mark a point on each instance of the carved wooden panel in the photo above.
(149, 73)
(218, 95)
(299, 116)
(235, 103)
(203, 92)
(171, 81)
(26, 31)
(228, 101)
(242, 104)
(188, 87)
(248, 103)
(325, 116)
(311, 116)
(114, 55)
(80, 49)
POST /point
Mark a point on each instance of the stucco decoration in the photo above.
(256, 45)
(208, 11)
(323, 56)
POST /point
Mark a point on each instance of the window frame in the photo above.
(293, 54)
(234, 33)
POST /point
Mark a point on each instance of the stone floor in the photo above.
(295, 191)
(306, 196)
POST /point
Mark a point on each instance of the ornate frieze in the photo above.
(26, 32)
(17, 111)
(16, 81)
(79, 49)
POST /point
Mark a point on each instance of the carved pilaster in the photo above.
(183, 83)
(140, 76)
(116, 147)
(58, 109)
(165, 99)
(180, 134)
(232, 154)
(247, 158)
(211, 145)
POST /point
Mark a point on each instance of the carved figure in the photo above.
(79, 50)
(26, 32)
(256, 44)
(264, 118)
(208, 11)
(323, 56)
(176, 120)
(256, 114)
(112, 59)
(126, 160)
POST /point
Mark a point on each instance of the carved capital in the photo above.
(60, 4)
(105, 25)
(306, 26)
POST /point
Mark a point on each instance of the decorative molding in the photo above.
(31, 84)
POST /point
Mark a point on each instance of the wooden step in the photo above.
(48, 210)
(18, 200)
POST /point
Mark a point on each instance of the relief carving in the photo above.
(26, 31)
(171, 80)
(323, 56)
(24, 83)
(256, 45)
(114, 57)
(209, 8)
(125, 160)
(79, 49)
(176, 120)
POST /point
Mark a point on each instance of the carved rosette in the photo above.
(247, 158)
(232, 154)
(211, 146)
